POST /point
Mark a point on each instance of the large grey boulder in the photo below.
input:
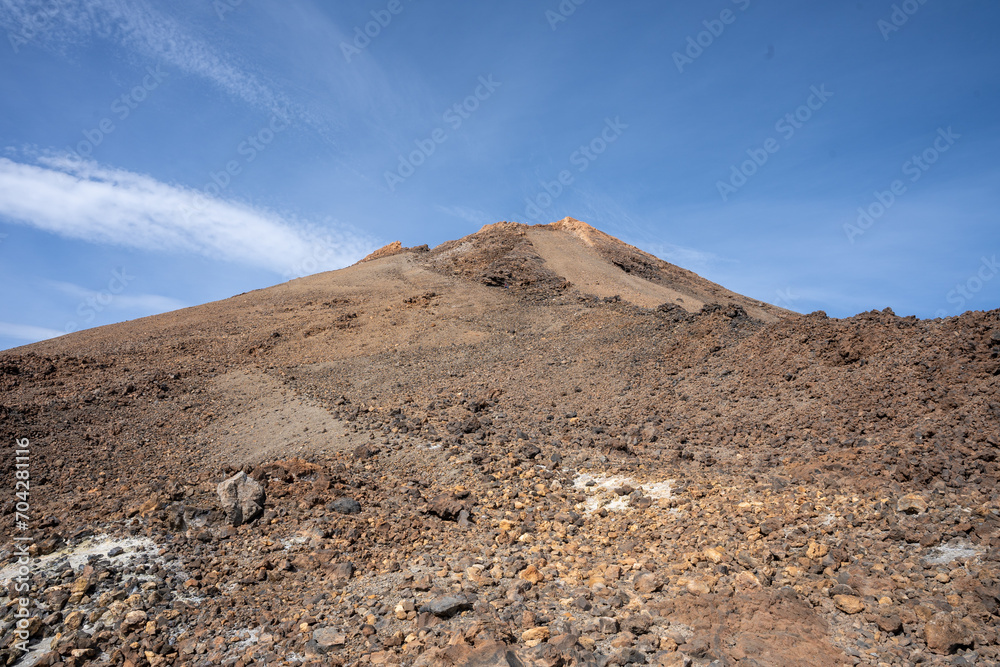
(242, 499)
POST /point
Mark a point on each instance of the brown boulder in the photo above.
(946, 634)
(445, 506)
(849, 604)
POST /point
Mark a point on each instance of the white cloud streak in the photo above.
(614, 218)
(140, 28)
(689, 258)
(27, 332)
(86, 201)
(472, 215)
(146, 304)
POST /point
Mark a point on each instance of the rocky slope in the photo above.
(533, 445)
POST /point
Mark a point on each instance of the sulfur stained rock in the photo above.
(817, 550)
(534, 636)
(746, 581)
(531, 575)
(912, 503)
(714, 555)
(849, 604)
(79, 589)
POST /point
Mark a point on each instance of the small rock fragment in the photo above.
(342, 572)
(890, 623)
(531, 575)
(344, 506)
(607, 625)
(746, 581)
(647, 582)
(849, 604)
(327, 637)
(446, 506)
(911, 504)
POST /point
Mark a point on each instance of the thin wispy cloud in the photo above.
(137, 26)
(27, 332)
(611, 216)
(689, 258)
(87, 201)
(144, 304)
(472, 215)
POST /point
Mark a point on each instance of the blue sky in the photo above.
(161, 155)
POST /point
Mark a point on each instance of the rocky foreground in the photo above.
(461, 459)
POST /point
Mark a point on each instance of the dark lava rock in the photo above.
(344, 506)
(446, 607)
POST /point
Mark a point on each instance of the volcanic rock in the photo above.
(241, 498)
(446, 506)
(345, 506)
(447, 606)
(946, 634)
(912, 504)
(849, 604)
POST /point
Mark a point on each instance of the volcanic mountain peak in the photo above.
(458, 445)
(542, 260)
(394, 248)
(581, 229)
(569, 224)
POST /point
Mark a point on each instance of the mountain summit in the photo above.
(570, 255)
